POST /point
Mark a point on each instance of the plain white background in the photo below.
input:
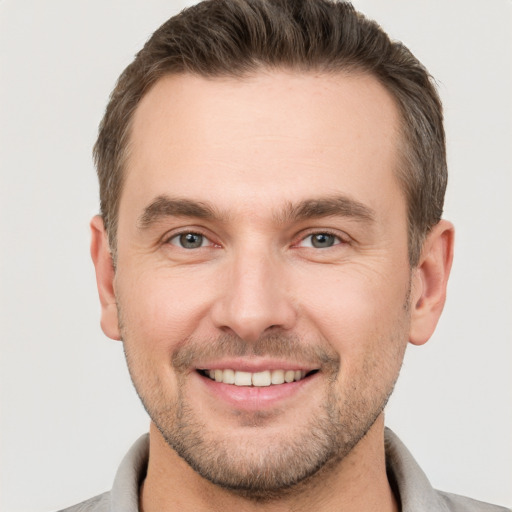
(68, 410)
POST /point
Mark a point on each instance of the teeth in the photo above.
(243, 378)
(228, 377)
(289, 376)
(261, 379)
(258, 379)
(278, 377)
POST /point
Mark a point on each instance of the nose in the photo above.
(254, 297)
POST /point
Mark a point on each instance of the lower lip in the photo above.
(254, 398)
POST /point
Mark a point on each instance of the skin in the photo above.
(253, 149)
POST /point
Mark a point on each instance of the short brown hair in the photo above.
(236, 37)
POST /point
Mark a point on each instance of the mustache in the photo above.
(275, 345)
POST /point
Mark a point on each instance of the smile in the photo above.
(257, 379)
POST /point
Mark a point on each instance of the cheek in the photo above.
(364, 320)
(160, 308)
(356, 310)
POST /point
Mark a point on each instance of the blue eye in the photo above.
(189, 240)
(320, 240)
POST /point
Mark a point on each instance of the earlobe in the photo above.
(430, 278)
(102, 258)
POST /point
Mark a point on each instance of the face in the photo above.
(262, 278)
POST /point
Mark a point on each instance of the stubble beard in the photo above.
(286, 461)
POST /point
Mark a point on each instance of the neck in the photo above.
(357, 483)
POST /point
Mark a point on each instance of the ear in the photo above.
(430, 279)
(104, 266)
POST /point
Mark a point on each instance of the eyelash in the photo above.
(197, 232)
(339, 240)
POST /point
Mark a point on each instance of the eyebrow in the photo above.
(342, 206)
(164, 206)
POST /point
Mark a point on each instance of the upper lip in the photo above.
(255, 365)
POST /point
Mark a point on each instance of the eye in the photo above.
(320, 240)
(189, 240)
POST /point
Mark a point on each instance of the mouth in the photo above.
(253, 386)
(259, 379)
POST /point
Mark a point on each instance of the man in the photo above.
(272, 176)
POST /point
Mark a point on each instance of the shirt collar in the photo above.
(132, 471)
(415, 494)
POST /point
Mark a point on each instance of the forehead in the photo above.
(293, 132)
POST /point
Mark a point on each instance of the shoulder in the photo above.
(124, 496)
(414, 489)
(456, 503)
(100, 503)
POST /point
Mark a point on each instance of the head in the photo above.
(271, 179)
(230, 38)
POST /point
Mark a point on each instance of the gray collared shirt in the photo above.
(412, 487)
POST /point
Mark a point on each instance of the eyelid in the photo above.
(342, 237)
(176, 241)
(166, 239)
